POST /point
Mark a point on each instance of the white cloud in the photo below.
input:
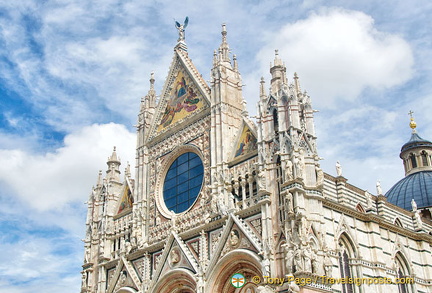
(54, 269)
(338, 53)
(51, 180)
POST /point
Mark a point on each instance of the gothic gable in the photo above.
(237, 234)
(175, 255)
(184, 97)
(123, 276)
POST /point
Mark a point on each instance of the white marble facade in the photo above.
(265, 207)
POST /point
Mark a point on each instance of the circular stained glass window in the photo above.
(183, 182)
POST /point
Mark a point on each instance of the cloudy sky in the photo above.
(72, 74)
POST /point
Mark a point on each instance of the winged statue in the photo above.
(181, 29)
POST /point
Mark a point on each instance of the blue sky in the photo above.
(72, 74)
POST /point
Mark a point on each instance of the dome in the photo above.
(415, 142)
(417, 186)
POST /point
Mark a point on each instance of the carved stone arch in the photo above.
(348, 243)
(399, 248)
(403, 269)
(126, 290)
(402, 261)
(342, 228)
(314, 242)
(346, 252)
(179, 280)
(286, 145)
(237, 261)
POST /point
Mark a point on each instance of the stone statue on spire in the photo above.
(181, 29)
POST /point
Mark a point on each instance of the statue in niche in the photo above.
(221, 205)
(328, 265)
(302, 228)
(320, 175)
(317, 265)
(128, 246)
(289, 203)
(261, 180)
(87, 256)
(298, 261)
(307, 258)
(266, 266)
(323, 242)
(289, 170)
(338, 169)
(289, 258)
(102, 248)
(299, 164)
(84, 279)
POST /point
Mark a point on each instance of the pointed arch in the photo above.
(344, 228)
(237, 261)
(403, 271)
(346, 252)
(179, 280)
(398, 222)
(360, 208)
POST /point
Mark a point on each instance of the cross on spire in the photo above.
(410, 113)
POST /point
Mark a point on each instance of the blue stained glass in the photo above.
(182, 187)
(183, 158)
(196, 171)
(171, 174)
(170, 183)
(182, 177)
(195, 162)
(183, 182)
(182, 168)
(196, 181)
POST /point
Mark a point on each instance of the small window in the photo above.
(346, 252)
(360, 208)
(424, 157)
(398, 222)
(413, 161)
(402, 272)
(275, 120)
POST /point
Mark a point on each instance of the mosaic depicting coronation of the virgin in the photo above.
(184, 99)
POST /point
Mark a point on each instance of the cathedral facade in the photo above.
(222, 203)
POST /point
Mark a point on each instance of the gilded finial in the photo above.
(412, 124)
